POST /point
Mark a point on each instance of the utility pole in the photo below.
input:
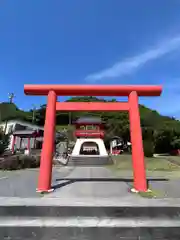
(69, 118)
(34, 114)
(11, 97)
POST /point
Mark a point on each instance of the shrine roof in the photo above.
(91, 120)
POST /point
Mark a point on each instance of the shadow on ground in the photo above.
(129, 181)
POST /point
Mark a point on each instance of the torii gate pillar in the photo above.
(140, 183)
(45, 174)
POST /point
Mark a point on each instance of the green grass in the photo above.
(61, 127)
(152, 194)
(124, 162)
(174, 158)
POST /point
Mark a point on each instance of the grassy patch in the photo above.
(61, 127)
(124, 162)
(152, 194)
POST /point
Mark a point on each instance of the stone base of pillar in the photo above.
(45, 191)
(133, 190)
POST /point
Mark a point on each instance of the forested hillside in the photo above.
(161, 132)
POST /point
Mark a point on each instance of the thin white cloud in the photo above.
(129, 65)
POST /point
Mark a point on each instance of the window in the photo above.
(91, 127)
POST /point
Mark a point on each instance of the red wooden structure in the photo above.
(28, 134)
(132, 91)
(82, 125)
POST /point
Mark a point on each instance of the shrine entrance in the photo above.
(89, 148)
(133, 92)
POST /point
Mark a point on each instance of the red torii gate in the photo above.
(132, 91)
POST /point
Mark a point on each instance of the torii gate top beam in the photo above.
(93, 90)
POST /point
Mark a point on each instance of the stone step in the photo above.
(88, 160)
(88, 228)
(89, 219)
(89, 233)
(91, 211)
(87, 222)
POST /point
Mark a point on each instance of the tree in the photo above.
(175, 144)
(162, 131)
(70, 133)
(163, 140)
(148, 148)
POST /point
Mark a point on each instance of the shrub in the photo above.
(35, 162)
(10, 163)
(148, 148)
(19, 162)
(175, 144)
(4, 142)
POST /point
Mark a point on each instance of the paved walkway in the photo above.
(84, 182)
(89, 182)
(67, 181)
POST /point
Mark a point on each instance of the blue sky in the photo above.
(91, 42)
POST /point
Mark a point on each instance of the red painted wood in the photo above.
(140, 183)
(89, 133)
(92, 106)
(13, 143)
(44, 183)
(93, 90)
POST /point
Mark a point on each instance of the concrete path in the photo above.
(83, 182)
(89, 182)
(67, 181)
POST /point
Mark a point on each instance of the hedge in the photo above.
(148, 148)
(19, 162)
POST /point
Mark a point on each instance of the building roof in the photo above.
(91, 120)
(22, 123)
(27, 133)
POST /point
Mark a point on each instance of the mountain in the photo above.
(117, 121)
(161, 133)
(10, 111)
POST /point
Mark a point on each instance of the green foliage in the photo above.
(163, 139)
(175, 144)
(162, 131)
(70, 133)
(9, 111)
(148, 148)
(4, 142)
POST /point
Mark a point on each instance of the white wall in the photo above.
(14, 122)
(98, 141)
(2, 126)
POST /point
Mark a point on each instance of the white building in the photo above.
(94, 143)
(17, 125)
